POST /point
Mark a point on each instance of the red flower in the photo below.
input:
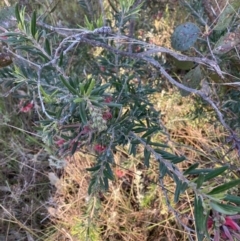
(209, 222)
(60, 142)
(102, 68)
(108, 99)
(3, 37)
(229, 228)
(120, 173)
(107, 115)
(99, 148)
(27, 107)
(231, 224)
(137, 49)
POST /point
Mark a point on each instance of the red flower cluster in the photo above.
(60, 142)
(27, 107)
(228, 229)
(108, 99)
(120, 173)
(3, 37)
(107, 115)
(99, 148)
(102, 68)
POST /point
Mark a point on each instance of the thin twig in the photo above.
(201, 20)
(193, 91)
(151, 48)
(175, 213)
(40, 95)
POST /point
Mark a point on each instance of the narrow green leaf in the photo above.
(158, 144)
(177, 193)
(224, 208)
(200, 171)
(81, 88)
(93, 169)
(12, 34)
(54, 8)
(20, 15)
(82, 112)
(60, 62)
(101, 183)
(59, 112)
(47, 47)
(96, 98)
(108, 171)
(163, 169)
(27, 48)
(200, 180)
(171, 157)
(33, 24)
(139, 129)
(78, 100)
(45, 95)
(150, 131)
(39, 36)
(74, 148)
(215, 173)
(90, 87)
(97, 103)
(135, 142)
(111, 104)
(17, 14)
(184, 187)
(147, 155)
(107, 175)
(72, 108)
(70, 88)
(93, 183)
(217, 197)
(225, 187)
(200, 218)
(232, 198)
(100, 89)
(192, 167)
(178, 188)
(105, 183)
(132, 149)
(175, 178)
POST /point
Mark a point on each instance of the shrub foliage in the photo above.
(90, 87)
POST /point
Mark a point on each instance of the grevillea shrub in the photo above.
(90, 89)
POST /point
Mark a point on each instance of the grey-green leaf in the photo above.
(200, 218)
(224, 209)
(82, 112)
(33, 24)
(216, 172)
(200, 180)
(147, 155)
(232, 199)
(225, 187)
(192, 167)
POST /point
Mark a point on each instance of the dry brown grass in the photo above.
(133, 208)
(24, 189)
